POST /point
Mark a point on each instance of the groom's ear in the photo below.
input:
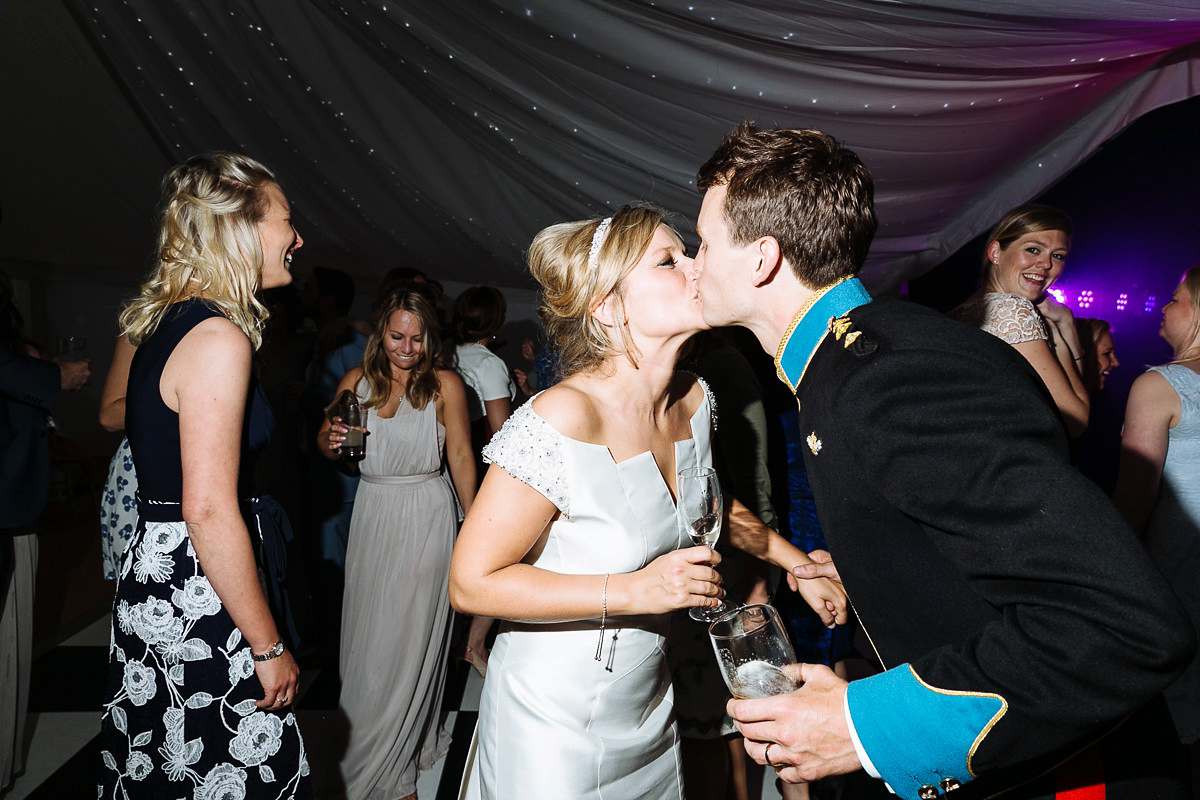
(770, 260)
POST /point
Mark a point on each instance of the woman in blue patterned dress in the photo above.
(118, 508)
(199, 681)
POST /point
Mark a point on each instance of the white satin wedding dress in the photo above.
(554, 722)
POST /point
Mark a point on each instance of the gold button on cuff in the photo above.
(927, 792)
(950, 784)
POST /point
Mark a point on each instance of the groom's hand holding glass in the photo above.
(805, 730)
(803, 734)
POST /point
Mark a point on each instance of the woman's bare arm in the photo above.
(116, 383)
(498, 411)
(456, 418)
(205, 381)
(748, 533)
(488, 576)
(1152, 410)
(1056, 369)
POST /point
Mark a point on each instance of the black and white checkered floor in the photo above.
(68, 688)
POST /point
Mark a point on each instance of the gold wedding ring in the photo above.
(767, 756)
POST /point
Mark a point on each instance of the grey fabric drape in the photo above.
(444, 134)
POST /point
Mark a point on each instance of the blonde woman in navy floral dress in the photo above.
(200, 684)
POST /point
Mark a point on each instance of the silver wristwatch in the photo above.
(275, 652)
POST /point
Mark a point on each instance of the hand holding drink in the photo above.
(346, 416)
(354, 445)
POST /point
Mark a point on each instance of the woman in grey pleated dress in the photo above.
(396, 614)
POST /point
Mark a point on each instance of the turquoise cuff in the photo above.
(917, 736)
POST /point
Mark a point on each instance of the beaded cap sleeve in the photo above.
(1006, 316)
(530, 450)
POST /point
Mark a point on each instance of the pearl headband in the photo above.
(598, 242)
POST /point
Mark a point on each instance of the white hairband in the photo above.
(597, 243)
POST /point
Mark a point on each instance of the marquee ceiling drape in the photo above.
(443, 135)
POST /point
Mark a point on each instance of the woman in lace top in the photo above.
(1025, 254)
(573, 539)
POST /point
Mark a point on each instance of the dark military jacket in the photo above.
(1018, 619)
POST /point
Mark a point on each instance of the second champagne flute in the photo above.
(699, 509)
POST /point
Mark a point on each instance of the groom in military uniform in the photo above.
(1024, 635)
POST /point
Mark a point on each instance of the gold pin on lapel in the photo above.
(839, 326)
(850, 337)
(814, 444)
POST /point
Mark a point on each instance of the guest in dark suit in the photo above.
(29, 387)
(1017, 619)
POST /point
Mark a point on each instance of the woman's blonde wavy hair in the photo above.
(208, 244)
(423, 385)
(571, 288)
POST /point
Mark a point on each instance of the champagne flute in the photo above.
(699, 510)
(752, 650)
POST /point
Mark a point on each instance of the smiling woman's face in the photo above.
(1028, 266)
(404, 340)
(279, 240)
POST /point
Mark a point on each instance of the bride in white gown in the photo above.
(572, 538)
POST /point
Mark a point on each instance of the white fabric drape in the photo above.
(445, 134)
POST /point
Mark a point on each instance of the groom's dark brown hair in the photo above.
(801, 187)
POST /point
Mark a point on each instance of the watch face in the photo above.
(275, 651)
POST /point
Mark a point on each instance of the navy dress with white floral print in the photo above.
(179, 719)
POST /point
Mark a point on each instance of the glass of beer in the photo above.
(752, 649)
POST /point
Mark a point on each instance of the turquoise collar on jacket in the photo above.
(811, 323)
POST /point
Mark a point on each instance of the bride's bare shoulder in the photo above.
(688, 387)
(570, 410)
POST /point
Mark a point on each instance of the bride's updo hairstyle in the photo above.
(579, 264)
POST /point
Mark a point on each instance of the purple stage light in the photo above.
(1151, 302)
(1085, 299)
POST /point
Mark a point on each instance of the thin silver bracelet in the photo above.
(603, 616)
